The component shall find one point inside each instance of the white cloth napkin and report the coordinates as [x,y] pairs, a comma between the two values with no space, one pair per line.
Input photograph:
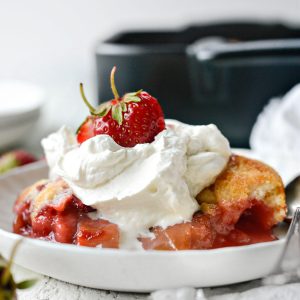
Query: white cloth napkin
[275,137]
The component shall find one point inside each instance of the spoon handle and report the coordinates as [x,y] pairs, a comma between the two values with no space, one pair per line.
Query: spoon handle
[287,267]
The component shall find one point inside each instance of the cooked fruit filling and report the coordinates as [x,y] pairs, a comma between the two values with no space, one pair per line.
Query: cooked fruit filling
[219,225]
[246,222]
[65,223]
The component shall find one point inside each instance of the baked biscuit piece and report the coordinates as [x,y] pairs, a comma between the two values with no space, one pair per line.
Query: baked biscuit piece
[246,179]
[44,192]
[29,193]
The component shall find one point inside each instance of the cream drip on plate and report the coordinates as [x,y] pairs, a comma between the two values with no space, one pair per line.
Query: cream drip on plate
[148,185]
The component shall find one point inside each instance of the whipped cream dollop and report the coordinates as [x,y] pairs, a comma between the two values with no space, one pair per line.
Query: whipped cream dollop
[148,185]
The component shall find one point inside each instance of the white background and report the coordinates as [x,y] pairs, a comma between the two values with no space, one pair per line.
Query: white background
[51,42]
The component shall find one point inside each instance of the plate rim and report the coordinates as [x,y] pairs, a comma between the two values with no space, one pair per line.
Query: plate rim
[111,251]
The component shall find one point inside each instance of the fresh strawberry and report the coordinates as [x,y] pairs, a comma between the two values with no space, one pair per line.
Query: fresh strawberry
[86,130]
[15,159]
[23,157]
[135,118]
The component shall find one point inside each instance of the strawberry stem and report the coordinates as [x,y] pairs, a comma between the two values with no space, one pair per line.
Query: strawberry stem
[88,104]
[112,83]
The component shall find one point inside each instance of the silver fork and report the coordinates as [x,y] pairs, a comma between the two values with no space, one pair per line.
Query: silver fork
[287,269]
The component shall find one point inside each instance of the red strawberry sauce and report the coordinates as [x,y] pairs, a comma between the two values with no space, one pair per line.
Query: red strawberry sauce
[237,224]
[223,225]
[67,222]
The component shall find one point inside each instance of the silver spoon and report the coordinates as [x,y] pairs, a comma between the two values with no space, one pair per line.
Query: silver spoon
[292,191]
[287,268]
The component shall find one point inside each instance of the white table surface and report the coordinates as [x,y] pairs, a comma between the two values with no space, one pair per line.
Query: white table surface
[47,289]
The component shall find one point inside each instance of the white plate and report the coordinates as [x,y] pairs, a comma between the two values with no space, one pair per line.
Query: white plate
[20,107]
[122,270]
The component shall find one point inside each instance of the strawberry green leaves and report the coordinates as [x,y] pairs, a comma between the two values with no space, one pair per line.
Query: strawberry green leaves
[132,97]
[121,106]
[124,106]
[103,109]
[116,113]
[117,106]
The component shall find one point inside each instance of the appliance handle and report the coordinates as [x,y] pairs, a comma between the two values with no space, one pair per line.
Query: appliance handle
[213,48]
[205,53]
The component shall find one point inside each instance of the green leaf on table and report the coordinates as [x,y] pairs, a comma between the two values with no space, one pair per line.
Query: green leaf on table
[26,284]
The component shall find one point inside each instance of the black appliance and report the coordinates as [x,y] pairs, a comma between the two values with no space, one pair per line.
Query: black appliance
[221,73]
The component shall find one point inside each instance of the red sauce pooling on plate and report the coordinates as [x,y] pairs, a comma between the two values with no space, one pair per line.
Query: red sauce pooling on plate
[252,227]
[226,224]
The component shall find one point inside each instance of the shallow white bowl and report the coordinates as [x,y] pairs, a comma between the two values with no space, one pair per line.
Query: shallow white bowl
[121,270]
[20,107]
[15,133]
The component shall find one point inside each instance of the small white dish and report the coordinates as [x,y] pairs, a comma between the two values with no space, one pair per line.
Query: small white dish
[20,106]
[122,270]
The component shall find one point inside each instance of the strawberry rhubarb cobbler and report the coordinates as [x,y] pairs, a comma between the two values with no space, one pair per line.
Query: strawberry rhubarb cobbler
[129,179]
